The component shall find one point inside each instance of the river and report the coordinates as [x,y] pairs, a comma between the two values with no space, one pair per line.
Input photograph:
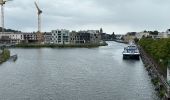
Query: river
[75,74]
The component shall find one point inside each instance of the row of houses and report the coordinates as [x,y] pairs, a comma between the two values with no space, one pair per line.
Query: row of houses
[139,35]
[58,36]
[65,37]
[17,37]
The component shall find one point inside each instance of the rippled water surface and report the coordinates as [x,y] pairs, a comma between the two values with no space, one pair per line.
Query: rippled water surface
[74,74]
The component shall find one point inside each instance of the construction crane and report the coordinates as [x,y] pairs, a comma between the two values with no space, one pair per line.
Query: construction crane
[39,17]
[2,3]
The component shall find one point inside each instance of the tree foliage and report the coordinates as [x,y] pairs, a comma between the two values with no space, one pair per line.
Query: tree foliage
[158,49]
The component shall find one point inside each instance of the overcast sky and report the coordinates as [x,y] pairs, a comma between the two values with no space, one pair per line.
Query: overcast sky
[119,16]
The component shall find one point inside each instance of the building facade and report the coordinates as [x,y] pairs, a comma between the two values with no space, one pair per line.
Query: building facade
[30,37]
[95,36]
[11,37]
[85,37]
[59,36]
[47,37]
[80,37]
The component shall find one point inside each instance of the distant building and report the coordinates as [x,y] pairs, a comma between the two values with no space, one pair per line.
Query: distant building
[95,36]
[106,37]
[84,37]
[80,37]
[60,36]
[118,36]
[130,36]
[11,37]
[162,35]
[30,37]
[101,30]
[47,37]
[140,35]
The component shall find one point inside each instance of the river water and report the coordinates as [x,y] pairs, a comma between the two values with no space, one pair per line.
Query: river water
[75,74]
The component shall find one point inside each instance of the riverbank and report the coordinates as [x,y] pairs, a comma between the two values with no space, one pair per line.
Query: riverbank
[59,45]
[4,56]
[159,51]
[157,78]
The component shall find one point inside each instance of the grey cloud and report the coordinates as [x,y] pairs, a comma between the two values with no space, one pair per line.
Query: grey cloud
[113,15]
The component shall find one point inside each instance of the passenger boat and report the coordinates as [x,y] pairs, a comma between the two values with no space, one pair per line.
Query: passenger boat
[131,52]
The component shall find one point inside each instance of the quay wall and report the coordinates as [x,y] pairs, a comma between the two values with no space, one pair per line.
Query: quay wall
[157,79]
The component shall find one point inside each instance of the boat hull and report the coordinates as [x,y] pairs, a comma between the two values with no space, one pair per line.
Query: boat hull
[130,56]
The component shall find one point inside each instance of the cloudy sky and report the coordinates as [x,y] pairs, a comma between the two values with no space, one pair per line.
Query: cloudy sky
[119,16]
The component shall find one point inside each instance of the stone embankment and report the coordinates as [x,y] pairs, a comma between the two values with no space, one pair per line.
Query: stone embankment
[60,45]
[157,79]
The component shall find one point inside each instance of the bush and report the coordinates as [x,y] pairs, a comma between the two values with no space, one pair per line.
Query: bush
[5,55]
[159,50]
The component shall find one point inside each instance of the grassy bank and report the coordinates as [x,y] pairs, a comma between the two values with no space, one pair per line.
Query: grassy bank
[5,55]
[159,50]
[59,46]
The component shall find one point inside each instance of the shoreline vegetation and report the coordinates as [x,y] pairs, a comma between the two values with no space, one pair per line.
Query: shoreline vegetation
[159,51]
[155,54]
[60,45]
[4,56]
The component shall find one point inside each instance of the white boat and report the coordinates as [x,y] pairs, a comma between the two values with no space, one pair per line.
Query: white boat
[131,52]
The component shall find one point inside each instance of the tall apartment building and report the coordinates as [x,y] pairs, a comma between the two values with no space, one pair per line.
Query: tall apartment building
[60,36]
[79,37]
[95,36]
[84,37]
[30,37]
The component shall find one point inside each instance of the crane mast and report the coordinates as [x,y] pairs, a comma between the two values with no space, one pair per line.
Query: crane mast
[39,34]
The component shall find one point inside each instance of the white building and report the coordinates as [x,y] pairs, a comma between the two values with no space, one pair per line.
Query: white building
[60,36]
[162,35]
[11,37]
[139,35]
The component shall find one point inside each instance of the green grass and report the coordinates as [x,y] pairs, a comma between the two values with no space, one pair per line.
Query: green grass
[159,50]
[5,55]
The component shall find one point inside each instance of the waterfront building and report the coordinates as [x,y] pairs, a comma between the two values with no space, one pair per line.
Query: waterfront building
[85,37]
[60,36]
[107,37]
[80,37]
[47,37]
[11,37]
[30,37]
[95,36]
